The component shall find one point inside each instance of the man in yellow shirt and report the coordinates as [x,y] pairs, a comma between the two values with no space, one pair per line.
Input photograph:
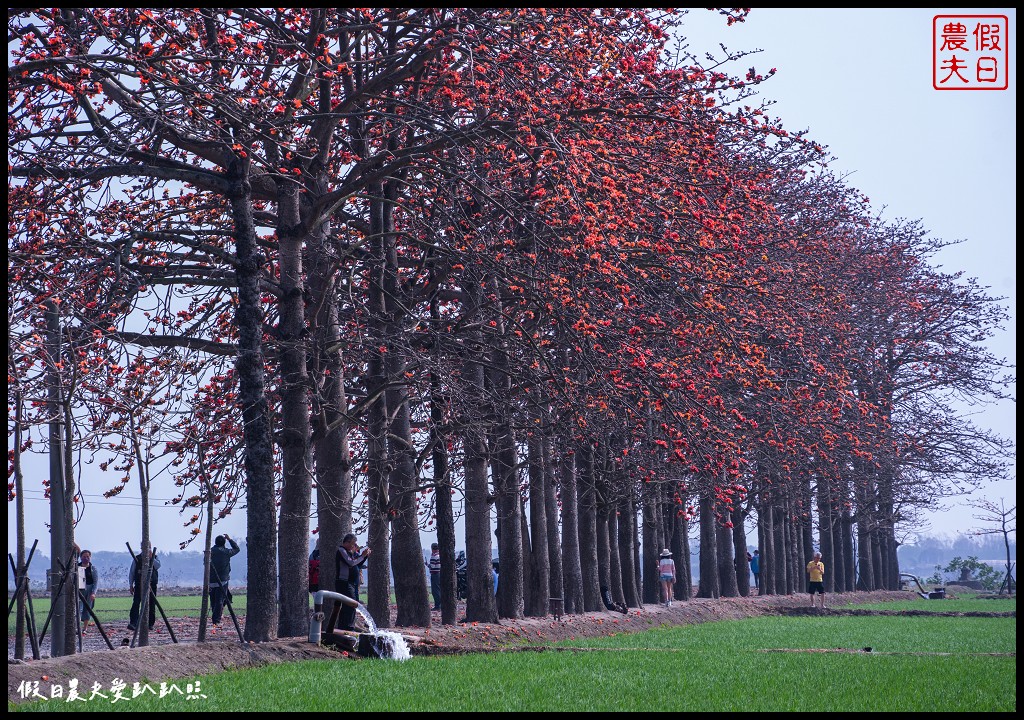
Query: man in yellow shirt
[815,579]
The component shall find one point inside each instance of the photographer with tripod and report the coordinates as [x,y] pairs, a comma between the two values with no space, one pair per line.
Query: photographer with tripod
[220,574]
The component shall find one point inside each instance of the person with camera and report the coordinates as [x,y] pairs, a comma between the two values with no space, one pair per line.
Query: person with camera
[816,579]
[434,567]
[220,574]
[349,559]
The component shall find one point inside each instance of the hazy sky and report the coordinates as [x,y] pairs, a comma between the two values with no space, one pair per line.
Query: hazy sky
[861,82]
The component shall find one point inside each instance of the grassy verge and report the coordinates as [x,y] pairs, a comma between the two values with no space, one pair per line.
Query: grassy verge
[967,604]
[769,664]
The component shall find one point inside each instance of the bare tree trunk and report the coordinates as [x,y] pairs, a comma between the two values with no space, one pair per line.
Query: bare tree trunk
[261,512]
[865,557]
[296,456]
[554,544]
[651,585]
[614,558]
[540,565]
[204,605]
[71,599]
[480,605]
[330,444]
[443,498]
[587,504]
[59,548]
[378,571]
[683,588]
[709,581]
[510,541]
[726,560]
[19,505]
[825,529]
[627,535]
[781,564]
[604,562]
[739,540]
[572,580]
[766,532]
[144,556]
[530,593]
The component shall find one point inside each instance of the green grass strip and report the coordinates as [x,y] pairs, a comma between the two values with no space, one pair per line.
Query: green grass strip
[711,667]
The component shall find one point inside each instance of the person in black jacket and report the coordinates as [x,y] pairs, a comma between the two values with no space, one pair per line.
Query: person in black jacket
[135,587]
[349,559]
[87,592]
[220,573]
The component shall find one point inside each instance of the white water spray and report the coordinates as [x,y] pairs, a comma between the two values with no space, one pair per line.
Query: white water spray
[388,644]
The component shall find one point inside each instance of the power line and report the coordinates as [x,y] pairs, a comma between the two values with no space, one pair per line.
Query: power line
[107,501]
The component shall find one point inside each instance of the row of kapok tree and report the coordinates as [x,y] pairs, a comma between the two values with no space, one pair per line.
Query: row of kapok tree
[512,265]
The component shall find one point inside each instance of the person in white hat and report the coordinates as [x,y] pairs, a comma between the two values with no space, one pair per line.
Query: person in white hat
[667,573]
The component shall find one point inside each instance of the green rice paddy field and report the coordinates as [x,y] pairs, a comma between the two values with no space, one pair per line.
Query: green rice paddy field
[807,663]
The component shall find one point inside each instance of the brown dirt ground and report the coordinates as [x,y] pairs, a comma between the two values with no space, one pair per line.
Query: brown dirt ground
[164,660]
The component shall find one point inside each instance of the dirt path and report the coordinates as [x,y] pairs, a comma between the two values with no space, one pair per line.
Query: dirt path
[164,660]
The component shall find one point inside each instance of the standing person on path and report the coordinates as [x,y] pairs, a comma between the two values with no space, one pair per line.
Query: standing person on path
[667,574]
[135,587]
[314,567]
[815,579]
[220,573]
[87,591]
[349,560]
[755,567]
[434,566]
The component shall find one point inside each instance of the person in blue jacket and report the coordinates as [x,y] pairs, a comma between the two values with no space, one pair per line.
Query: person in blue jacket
[755,567]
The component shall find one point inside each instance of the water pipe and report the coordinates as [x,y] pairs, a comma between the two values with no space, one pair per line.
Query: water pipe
[317,620]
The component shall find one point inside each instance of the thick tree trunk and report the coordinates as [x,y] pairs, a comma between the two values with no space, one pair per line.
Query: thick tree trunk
[806,515]
[865,556]
[627,541]
[709,582]
[443,500]
[766,536]
[411,594]
[529,589]
[296,460]
[378,571]
[71,606]
[480,605]
[726,559]
[614,558]
[572,580]
[781,564]
[330,445]
[261,507]
[510,541]
[505,468]
[826,522]
[19,505]
[652,546]
[604,562]
[539,563]
[551,520]
[60,620]
[739,541]
[683,589]
[587,504]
